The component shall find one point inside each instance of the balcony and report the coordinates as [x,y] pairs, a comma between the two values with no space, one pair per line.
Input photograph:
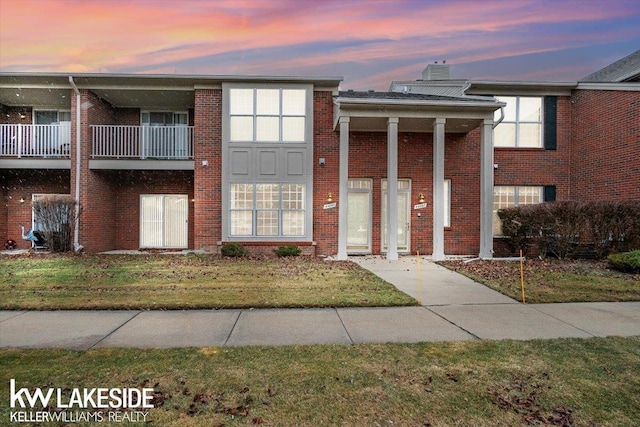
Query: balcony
[141,147]
[35,141]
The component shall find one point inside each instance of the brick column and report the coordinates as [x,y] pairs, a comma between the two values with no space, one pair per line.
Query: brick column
[97,207]
[207,169]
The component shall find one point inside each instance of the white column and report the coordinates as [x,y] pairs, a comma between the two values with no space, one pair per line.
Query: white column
[342,188]
[486,189]
[438,189]
[392,188]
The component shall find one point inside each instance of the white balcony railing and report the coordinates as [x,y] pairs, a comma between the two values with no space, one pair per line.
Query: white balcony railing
[142,142]
[27,140]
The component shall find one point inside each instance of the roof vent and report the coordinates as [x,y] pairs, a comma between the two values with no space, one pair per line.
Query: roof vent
[436,72]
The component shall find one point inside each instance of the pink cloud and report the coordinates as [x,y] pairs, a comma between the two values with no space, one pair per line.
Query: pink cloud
[66,35]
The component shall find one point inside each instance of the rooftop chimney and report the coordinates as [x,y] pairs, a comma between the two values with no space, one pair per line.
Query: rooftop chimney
[436,72]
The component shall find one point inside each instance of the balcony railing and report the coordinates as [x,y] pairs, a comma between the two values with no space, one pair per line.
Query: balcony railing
[27,140]
[142,142]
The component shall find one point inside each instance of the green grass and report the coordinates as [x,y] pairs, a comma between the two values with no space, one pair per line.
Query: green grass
[483,383]
[44,282]
[551,281]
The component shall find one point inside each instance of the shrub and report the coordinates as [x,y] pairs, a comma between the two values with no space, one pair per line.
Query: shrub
[629,262]
[234,250]
[56,217]
[566,229]
[289,250]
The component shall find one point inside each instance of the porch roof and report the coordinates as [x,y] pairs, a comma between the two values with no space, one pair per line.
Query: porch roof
[168,91]
[369,111]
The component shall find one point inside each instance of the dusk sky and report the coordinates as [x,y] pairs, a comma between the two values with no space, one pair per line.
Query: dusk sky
[368,43]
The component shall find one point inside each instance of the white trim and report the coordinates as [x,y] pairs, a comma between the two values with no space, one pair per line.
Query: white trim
[629,87]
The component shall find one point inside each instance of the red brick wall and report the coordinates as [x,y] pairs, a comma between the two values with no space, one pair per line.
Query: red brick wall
[24,183]
[6,204]
[129,185]
[368,159]
[127,117]
[462,167]
[207,179]
[326,144]
[96,191]
[537,166]
[11,115]
[605,158]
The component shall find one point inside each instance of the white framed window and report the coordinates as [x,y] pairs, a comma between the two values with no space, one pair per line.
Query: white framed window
[267,210]
[511,196]
[522,123]
[267,115]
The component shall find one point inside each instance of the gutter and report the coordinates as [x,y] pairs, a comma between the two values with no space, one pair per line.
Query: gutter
[76,242]
[500,119]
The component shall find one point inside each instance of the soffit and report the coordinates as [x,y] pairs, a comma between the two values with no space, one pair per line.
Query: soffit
[416,112]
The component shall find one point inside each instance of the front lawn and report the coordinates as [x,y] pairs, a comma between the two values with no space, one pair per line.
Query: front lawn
[553,280]
[46,282]
[566,382]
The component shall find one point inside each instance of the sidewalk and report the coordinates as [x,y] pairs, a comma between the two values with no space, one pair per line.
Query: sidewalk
[453,308]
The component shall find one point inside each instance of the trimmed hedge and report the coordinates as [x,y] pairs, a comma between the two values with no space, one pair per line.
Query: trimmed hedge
[628,262]
[569,229]
[288,250]
[234,250]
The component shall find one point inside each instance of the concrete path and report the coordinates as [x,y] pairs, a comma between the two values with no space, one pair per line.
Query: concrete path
[454,308]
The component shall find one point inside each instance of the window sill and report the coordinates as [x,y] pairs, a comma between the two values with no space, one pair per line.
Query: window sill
[521,149]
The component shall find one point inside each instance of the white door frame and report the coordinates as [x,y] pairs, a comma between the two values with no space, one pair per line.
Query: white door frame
[163,239]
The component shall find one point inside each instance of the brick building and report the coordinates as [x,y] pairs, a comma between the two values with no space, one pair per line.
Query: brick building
[192,162]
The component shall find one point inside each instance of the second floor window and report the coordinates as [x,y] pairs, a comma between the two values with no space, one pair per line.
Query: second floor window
[522,124]
[267,115]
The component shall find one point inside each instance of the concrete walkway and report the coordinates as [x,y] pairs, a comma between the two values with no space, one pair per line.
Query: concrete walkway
[453,308]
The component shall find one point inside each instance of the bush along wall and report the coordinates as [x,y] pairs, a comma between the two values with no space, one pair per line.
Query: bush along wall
[55,218]
[573,229]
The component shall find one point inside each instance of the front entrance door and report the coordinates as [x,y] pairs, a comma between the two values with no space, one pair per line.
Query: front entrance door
[404,215]
[359,216]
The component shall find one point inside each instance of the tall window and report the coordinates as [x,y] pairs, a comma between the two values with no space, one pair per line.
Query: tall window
[267,210]
[522,124]
[507,197]
[267,115]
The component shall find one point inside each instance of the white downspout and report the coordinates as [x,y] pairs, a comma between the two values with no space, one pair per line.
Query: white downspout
[76,241]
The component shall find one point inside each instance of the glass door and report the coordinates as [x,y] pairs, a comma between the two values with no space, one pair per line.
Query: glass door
[404,215]
[359,216]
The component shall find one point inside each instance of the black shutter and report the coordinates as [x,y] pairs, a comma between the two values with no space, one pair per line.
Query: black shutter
[549,193]
[550,122]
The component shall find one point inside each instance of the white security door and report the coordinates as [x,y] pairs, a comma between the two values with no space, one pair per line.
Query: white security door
[404,215]
[164,221]
[359,216]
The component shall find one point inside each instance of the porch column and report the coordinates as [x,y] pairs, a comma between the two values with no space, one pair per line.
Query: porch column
[486,190]
[438,189]
[343,188]
[392,188]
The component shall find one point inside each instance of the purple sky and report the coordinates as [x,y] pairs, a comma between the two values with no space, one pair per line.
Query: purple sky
[369,43]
